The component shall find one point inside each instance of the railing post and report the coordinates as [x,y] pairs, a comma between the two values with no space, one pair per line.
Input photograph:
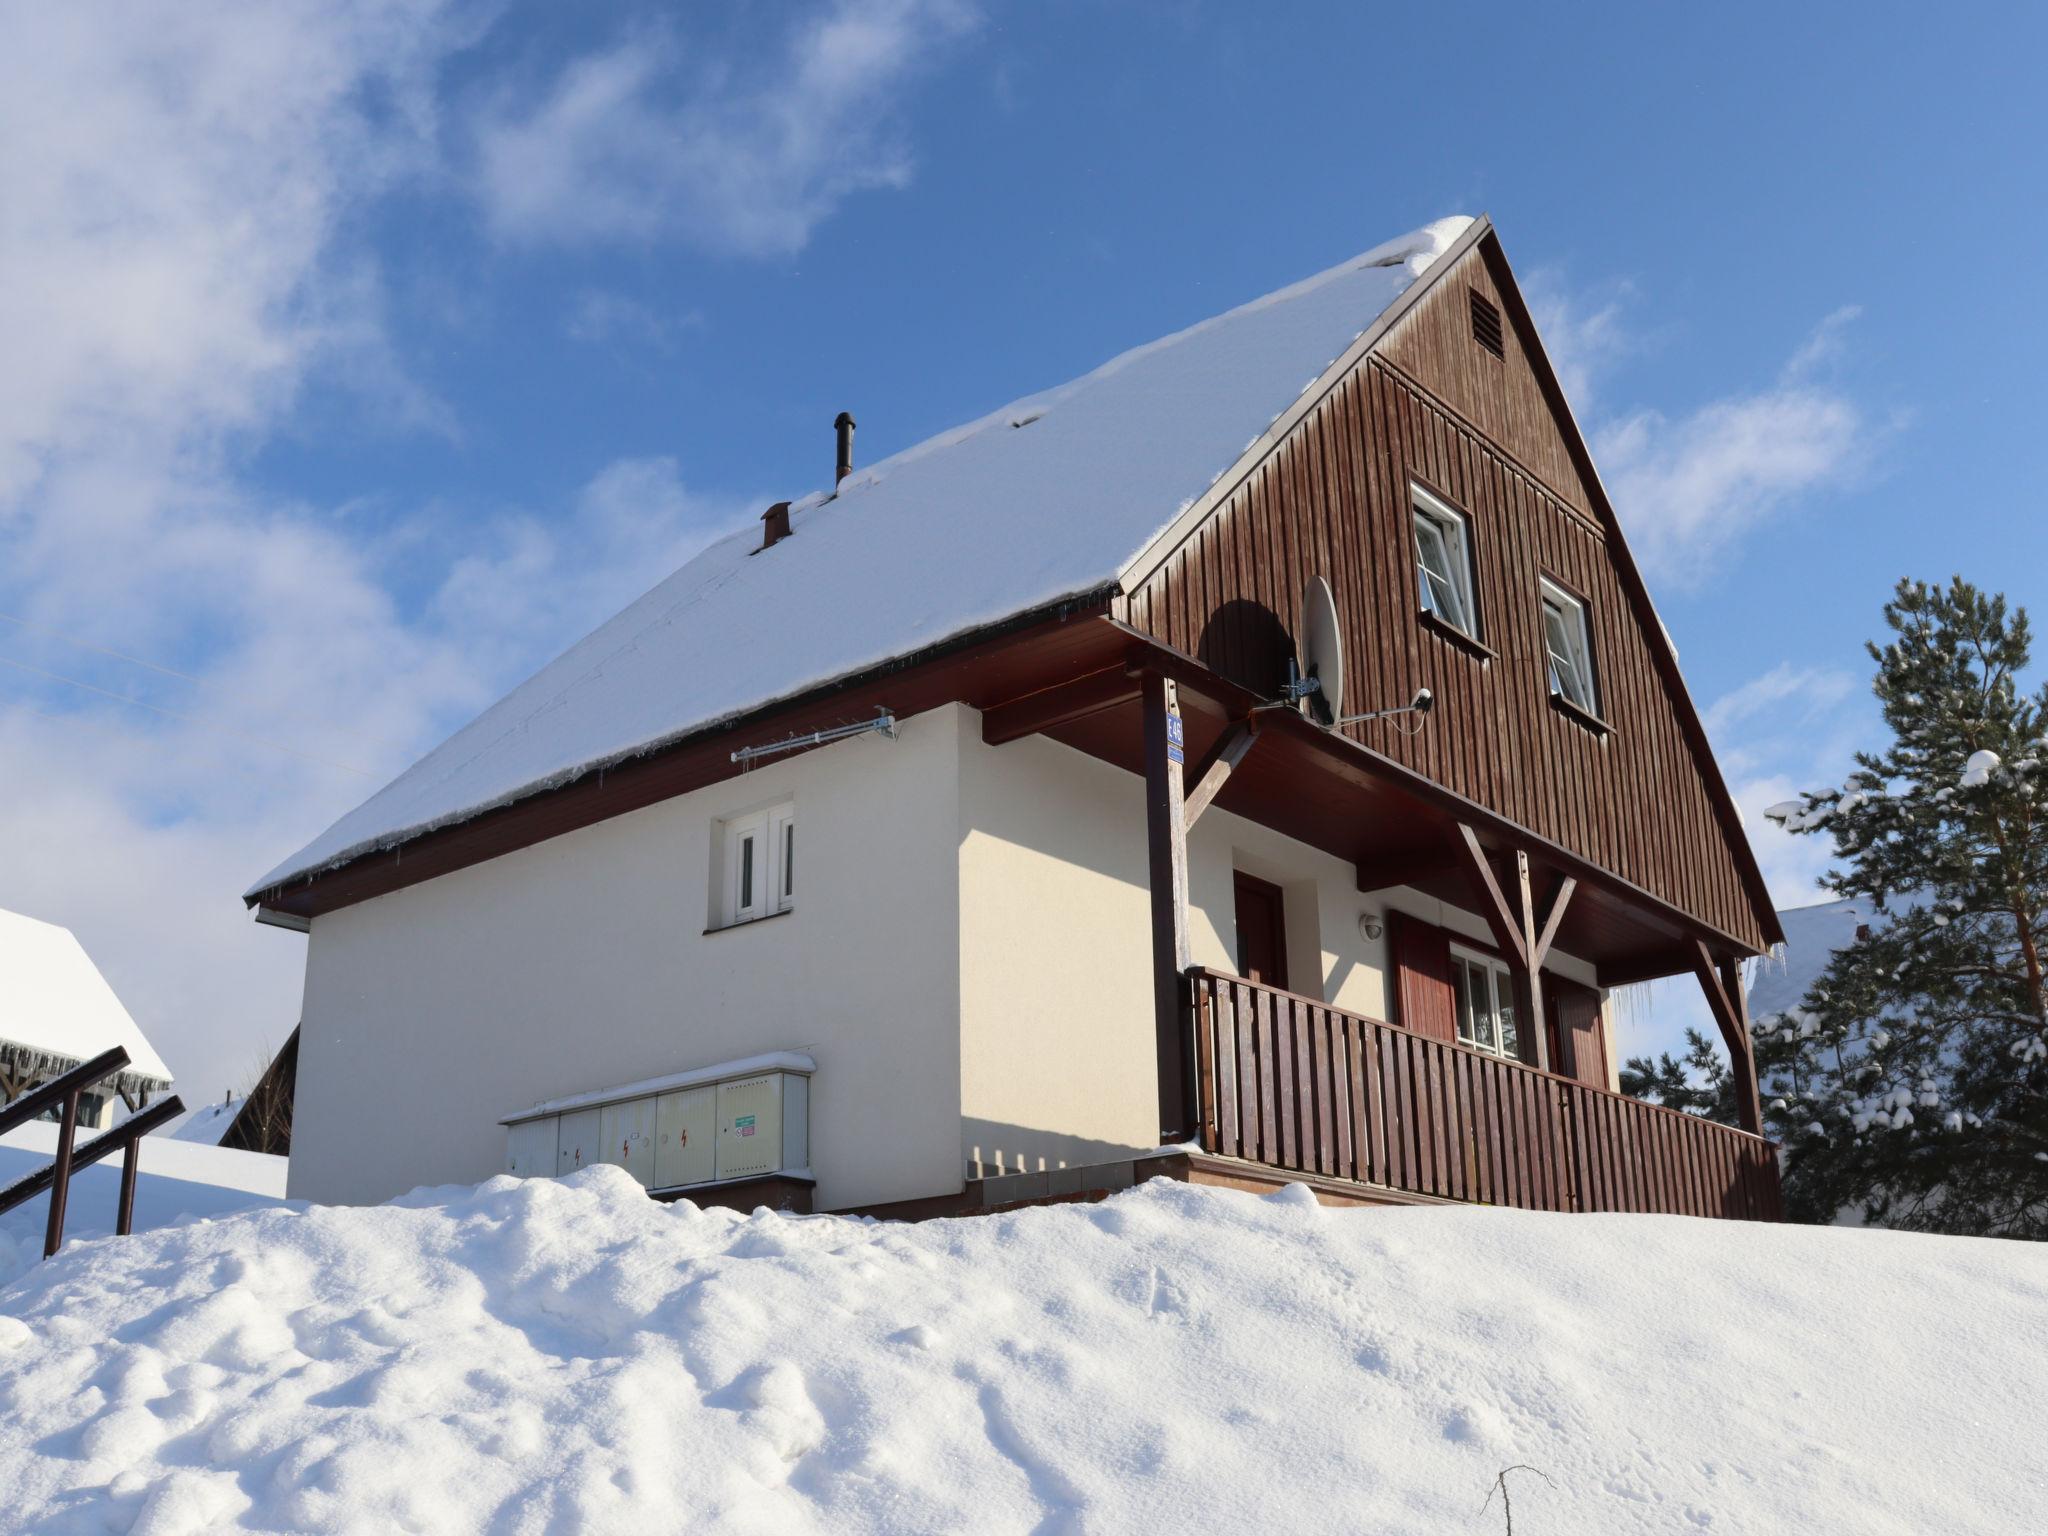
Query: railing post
[60,1187]
[131,1162]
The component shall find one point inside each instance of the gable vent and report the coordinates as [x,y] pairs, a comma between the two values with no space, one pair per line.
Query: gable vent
[1486,323]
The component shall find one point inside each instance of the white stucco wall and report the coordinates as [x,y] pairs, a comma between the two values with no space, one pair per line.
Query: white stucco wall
[968,961]
[581,963]
[1057,1061]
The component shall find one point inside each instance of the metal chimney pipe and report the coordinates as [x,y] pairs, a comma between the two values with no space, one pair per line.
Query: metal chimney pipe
[844,427]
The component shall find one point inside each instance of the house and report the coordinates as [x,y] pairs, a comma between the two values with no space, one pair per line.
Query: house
[57,1012]
[997,825]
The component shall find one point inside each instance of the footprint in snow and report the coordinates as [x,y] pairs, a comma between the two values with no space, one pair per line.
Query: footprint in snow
[1159,1294]
[916,1336]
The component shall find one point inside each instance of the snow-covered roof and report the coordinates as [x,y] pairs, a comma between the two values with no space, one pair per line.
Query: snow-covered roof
[205,1125]
[56,1009]
[1048,498]
[1781,980]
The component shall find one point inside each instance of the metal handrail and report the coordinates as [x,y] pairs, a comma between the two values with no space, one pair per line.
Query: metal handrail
[58,1089]
[122,1138]
[55,1176]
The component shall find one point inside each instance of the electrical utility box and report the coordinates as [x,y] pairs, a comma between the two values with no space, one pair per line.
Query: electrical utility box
[686,1138]
[627,1130]
[577,1146]
[713,1125]
[530,1148]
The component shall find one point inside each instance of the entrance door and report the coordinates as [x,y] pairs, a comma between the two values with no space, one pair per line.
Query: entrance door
[1261,932]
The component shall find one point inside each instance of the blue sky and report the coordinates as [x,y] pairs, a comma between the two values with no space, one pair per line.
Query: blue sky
[365,361]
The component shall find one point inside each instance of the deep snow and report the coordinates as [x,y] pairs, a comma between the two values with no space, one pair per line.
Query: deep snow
[569,1356]
[1047,498]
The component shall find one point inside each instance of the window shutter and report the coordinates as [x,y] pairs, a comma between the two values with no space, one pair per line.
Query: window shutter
[1577,1010]
[1422,974]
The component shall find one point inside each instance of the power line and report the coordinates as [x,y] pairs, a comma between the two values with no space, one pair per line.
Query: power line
[102,650]
[198,720]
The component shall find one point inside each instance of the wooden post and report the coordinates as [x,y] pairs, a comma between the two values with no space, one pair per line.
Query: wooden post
[1524,937]
[1529,974]
[1721,980]
[60,1185]
[1166,842]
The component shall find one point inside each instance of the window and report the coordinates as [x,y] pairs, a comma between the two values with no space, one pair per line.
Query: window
[1443,564]
[1486,1003]
[760,864]
[1570,650]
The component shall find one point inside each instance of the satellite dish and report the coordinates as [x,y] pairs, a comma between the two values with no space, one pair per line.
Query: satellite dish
[1322,650]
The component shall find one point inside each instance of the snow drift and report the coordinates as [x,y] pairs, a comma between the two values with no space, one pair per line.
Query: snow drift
[568,1356]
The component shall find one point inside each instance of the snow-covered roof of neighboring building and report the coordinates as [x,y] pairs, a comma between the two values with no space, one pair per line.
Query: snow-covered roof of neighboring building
[205,1125]
[1048,498]
[56,1009]
[1812,935]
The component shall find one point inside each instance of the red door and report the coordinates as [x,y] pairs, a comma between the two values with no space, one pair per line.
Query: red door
[1261,932]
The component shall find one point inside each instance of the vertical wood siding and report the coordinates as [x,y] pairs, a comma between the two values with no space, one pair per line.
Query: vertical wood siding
[1333,500]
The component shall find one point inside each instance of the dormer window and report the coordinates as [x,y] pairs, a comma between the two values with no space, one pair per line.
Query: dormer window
[1568,644]
[1443,563]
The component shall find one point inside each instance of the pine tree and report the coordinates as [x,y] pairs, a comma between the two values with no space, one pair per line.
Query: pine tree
[1912,1084]
[1700,1085]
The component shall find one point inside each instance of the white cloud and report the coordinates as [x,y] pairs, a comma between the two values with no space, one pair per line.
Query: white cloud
[1786,731]
[600,317]
[181,252]
[1583,338]
[1814,690]
[1688,489]
[639,141]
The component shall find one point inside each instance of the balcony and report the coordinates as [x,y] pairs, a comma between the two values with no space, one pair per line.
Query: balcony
[1285,1082]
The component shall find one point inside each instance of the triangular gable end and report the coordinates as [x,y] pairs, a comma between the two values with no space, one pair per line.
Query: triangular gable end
[1417,397]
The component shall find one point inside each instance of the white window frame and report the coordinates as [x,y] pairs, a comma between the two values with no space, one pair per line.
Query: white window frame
[760,868]
[1485,1034]
[1447,595]
[1570,669]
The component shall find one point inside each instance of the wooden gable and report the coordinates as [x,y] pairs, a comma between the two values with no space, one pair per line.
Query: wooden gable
[1428,404]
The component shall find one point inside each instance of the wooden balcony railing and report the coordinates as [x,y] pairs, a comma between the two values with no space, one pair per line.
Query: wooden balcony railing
[1289,1082]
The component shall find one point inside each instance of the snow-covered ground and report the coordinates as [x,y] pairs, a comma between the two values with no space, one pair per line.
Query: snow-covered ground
[568,1356]
[179,1181]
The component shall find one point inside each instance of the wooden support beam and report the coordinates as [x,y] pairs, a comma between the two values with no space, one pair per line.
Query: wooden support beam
[1214,771]
[1502,918]
[1523,939]
[1060,705]
[1166,846]
[1560,899]
[1721,979]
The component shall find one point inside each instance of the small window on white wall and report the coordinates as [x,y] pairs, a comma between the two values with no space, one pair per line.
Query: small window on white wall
[760,863]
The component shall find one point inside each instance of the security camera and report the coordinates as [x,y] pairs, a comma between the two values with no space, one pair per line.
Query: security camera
[1423,702]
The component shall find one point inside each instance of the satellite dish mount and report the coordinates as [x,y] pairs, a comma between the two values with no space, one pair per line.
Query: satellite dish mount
[1317,679]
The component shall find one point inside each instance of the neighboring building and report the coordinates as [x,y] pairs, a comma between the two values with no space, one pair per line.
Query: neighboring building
[1812,936]
[259,1121]
[954,837]
[57,1012]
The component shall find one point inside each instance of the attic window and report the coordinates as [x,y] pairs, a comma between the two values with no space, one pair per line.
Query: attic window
[1486,323]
